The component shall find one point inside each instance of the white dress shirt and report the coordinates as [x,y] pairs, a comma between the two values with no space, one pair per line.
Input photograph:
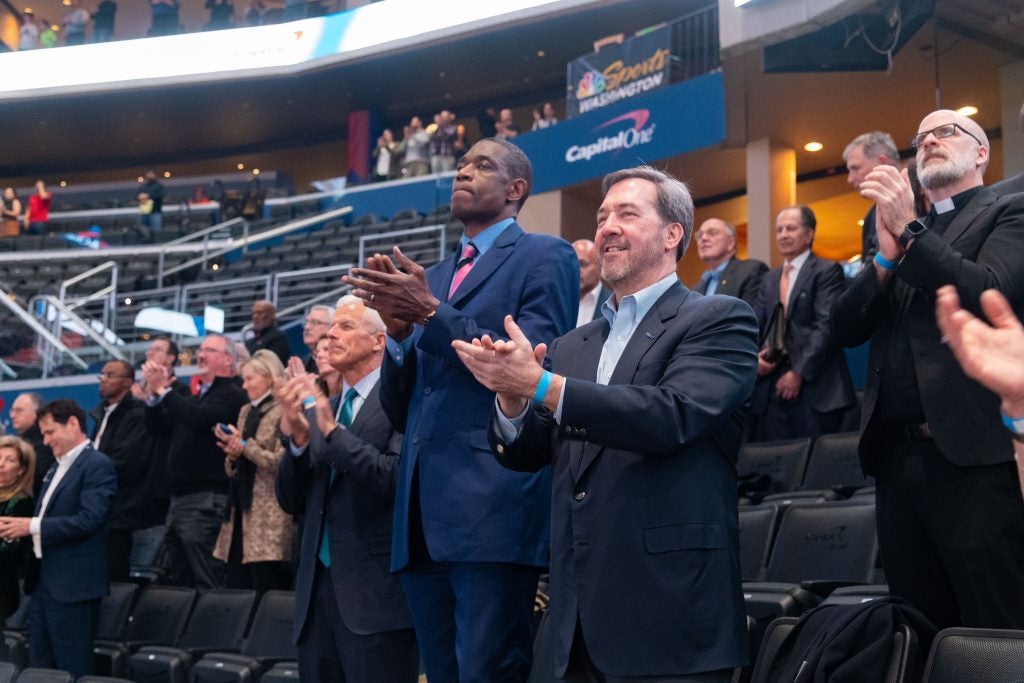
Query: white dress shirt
[64,463]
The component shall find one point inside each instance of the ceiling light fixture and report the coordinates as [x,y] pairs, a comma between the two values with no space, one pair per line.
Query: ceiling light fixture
[968,110]
[814,146]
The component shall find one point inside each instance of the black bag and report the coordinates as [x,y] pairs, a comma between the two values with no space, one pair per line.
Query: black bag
[774,340]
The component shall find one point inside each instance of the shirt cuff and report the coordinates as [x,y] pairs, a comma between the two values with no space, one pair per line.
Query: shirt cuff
[398,350]
[294,450]
[561,397]
[155,400]
[509,427]
[34,525]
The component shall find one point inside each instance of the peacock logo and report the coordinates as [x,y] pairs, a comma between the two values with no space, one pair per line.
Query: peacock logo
[591,84]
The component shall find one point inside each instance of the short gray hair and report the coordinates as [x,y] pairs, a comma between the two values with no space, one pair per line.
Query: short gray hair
[875,144]
[674,202]
[321,307]
[374,323]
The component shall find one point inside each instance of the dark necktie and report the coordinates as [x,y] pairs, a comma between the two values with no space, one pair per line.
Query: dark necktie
[345,420]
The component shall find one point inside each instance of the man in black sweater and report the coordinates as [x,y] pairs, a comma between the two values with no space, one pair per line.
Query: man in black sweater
[195,465]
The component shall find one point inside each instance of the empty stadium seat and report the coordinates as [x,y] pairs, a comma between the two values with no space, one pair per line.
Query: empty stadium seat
[773,466]
[158,619]
[977,655]
[147,547]
[834,464]
[269,642]
[114,611]
[217,623]
[818,546]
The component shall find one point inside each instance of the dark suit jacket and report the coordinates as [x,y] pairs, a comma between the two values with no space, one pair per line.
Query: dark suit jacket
[644,540]
[124,442]
[473,510]
[741,279]
[194,462]
[981,249]
[272,339]
[868,238]
[1009,185]
[813,351]
[73,532]
[358,513]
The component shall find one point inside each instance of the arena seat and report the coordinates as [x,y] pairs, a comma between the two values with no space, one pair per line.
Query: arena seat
[975,655]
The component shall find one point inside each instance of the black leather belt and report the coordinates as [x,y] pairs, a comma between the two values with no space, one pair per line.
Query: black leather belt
[909,433]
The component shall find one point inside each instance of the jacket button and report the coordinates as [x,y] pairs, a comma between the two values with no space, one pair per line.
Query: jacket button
[581,495]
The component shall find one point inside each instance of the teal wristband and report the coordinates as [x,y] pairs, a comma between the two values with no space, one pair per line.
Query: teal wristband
[542,387]
[1014,424]
[884,262]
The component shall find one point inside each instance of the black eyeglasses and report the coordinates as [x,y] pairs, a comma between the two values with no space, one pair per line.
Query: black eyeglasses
[947,130]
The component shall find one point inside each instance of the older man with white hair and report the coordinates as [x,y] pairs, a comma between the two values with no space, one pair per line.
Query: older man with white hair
[950,514]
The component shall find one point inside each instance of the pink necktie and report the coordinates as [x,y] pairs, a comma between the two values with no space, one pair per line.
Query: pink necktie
[784,285]
[463,267]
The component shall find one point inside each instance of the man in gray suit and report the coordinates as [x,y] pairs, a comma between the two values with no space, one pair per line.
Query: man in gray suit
[726,274]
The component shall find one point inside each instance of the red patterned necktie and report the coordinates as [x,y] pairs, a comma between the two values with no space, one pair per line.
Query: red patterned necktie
[463,267]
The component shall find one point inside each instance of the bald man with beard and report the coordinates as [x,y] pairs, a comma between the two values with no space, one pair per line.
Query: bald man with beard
[949,510]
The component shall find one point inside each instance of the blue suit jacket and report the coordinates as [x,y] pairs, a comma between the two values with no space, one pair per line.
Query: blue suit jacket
[474,510]
[74,530]
[644,539]
[358,512]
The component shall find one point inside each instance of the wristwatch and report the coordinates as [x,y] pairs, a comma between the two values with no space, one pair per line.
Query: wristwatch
[912,230]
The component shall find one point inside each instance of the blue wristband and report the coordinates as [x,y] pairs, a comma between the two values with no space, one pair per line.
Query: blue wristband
[884,262]
[542,387]
[1014,424]
[308,402]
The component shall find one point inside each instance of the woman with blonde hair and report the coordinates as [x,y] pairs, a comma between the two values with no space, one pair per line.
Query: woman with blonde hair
[17,472]
[255,541]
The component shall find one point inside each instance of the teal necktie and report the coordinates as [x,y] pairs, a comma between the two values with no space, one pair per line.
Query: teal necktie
[345,420]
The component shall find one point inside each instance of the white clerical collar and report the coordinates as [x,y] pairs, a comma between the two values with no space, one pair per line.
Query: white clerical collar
[944,205]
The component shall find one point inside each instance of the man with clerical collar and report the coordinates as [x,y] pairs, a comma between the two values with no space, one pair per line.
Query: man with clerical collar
[726,274]
[950,513]
[593,293]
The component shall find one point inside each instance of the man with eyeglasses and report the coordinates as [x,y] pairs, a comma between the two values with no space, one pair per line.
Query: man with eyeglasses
[318,321]
[119,432]
[862,155]
[949,511]
[195,465]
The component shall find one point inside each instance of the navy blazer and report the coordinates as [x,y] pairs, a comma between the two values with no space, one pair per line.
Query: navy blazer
[473,510]
[73,532]
[740,278]
[814,353]
[358,512]
[981,249]
[645,540]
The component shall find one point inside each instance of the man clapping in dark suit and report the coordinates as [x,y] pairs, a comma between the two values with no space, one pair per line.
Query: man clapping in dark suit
[950,515]
[640,417]
[351,621]
[726,274]
[805,392]
[69,538]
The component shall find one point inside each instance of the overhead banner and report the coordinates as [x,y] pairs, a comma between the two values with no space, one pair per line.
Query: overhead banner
[634,67]
[678,119]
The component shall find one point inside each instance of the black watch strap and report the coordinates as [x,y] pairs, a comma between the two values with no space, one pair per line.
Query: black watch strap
[912,230]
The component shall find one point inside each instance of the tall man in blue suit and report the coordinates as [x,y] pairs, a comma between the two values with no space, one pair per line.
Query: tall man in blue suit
[470,537]
[351,622]
[640,416]
[68,575]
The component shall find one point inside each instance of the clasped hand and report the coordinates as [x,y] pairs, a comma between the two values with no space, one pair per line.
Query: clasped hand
[401,298]
[511,369]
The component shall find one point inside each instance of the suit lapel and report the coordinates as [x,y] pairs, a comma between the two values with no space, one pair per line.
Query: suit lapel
[584,366]
[727,274]
[486,264]
[647,333]
[63,483]
[804,276]
[367,411]
[966,216]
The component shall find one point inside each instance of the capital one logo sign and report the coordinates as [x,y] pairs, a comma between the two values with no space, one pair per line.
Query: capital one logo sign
[635,135]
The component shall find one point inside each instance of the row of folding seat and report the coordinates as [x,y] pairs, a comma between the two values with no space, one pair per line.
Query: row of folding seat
[166,634]
[830,469]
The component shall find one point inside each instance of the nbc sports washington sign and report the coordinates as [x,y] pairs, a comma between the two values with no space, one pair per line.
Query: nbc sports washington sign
[617,72]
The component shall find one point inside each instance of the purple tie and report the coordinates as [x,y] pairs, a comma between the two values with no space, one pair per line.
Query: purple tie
[463,267]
